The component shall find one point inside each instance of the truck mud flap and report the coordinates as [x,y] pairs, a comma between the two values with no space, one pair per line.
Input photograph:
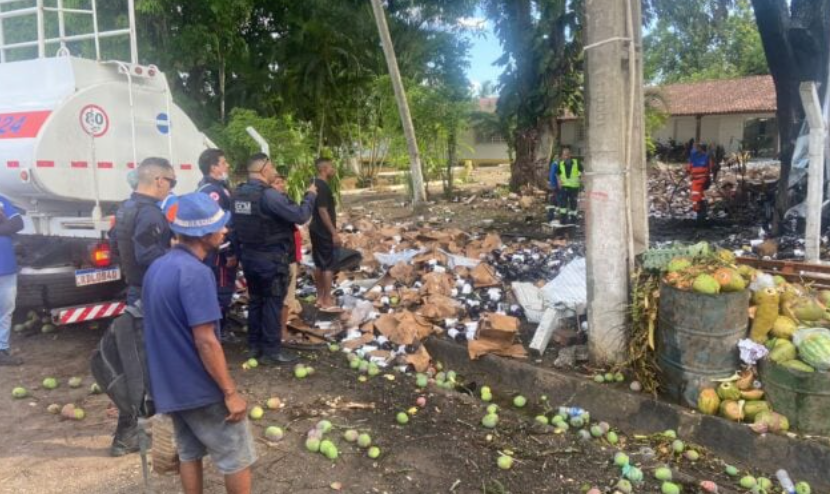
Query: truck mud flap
[86,313]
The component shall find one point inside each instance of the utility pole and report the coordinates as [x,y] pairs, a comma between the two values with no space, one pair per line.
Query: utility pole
[815,183]
[636,144]
[607,217]
[418,191]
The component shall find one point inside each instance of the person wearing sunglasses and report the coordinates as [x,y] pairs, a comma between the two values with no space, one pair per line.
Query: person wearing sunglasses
[141,235]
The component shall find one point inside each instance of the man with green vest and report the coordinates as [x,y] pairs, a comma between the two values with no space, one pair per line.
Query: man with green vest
[566,181]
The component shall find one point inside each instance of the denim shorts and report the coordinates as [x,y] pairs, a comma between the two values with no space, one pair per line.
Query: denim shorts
[204,431]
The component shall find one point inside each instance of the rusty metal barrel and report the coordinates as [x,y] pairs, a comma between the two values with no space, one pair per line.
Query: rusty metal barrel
[803,397]
[697,340]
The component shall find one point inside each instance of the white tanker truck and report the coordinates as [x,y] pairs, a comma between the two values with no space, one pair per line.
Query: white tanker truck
[71,129]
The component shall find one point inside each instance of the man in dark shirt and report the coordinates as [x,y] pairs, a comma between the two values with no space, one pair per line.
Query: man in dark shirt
[264,221]
[323,232]
[214,183]
[189,377]
[142,235]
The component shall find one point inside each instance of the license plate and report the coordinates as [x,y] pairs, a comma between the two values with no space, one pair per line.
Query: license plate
[86,277]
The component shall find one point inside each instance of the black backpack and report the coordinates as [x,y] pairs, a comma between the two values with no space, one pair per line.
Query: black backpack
[119,365]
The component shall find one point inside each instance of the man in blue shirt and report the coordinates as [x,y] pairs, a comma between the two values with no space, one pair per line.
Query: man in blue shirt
[189,378]
[10,223]
[263,223]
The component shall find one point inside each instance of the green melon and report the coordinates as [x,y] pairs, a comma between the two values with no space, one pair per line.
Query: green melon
[707,284]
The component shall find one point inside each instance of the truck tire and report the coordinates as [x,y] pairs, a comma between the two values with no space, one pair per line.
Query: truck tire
[54,287]
[165,456]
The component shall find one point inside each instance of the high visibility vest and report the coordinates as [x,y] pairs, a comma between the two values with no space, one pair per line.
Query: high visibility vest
[574,180]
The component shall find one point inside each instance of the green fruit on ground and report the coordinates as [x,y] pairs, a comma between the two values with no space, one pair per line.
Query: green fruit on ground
[252,363]
[354,363]
[374,370]
[440,377]
[451,375]
[95,389]
[519,401]
[577,422]
[748,482]
[19,392]
[612,437]
[692,455]
[312,444]
[50,383]
[728,391]
[490,420]
[332,454]
[803,488]
[624,486]
[753,408]
[486,390]
[324,426]
[274,433]
[542,420]
[486,397]
[708,401]
[492,408]
[669,488]
[599,379]
[505,462]
[621,459]
[421,380]
[334,347]
[273,403]
[326,445]
[309,370]
[783,351]
[663,473]
[364,440]
[75,382]
[596,431]
[764,483]
[47,328]
[609,377]
[79,414]
[364,366]
[678,264]
[351,435]
[256,413]
[619,377]
[402,418]
[634,474]
[784,327]
[374,452]
[731,471]
[706,284]
[300,372]
[678,446]
[19,328]
[670,433]
[54,409]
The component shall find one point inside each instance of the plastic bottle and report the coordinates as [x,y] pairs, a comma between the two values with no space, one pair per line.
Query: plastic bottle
[571,411]
[785,481]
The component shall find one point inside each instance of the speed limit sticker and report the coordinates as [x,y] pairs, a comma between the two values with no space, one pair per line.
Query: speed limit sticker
[94,120]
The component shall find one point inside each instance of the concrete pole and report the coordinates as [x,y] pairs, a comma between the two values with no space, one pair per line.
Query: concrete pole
[638,166]
[418,190]
[606,227]
[815,183]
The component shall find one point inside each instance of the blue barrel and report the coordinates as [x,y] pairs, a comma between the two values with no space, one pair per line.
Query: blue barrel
[697,340]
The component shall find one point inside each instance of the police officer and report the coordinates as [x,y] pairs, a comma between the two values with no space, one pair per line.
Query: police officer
[142,235]
[224,262]
[263,221]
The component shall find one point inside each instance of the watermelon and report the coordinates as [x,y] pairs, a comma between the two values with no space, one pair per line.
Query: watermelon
[814,350]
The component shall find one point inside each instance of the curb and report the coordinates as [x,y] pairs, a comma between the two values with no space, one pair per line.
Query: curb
[639,413]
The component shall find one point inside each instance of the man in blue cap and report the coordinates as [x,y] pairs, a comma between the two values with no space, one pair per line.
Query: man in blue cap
[189,376]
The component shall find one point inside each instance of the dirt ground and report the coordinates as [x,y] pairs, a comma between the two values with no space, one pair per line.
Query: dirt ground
[443,448]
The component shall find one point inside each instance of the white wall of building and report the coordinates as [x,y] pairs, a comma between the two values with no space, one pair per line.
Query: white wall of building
[726,130]
[494,152]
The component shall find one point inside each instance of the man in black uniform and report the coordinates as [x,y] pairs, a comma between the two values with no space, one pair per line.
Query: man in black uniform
[263,221]
[142,235]
[214,183]
[323,232]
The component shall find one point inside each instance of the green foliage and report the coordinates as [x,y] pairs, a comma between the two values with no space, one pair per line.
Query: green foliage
[702,39]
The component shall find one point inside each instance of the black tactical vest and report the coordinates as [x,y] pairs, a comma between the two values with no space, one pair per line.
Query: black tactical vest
[252,226]
[124,231]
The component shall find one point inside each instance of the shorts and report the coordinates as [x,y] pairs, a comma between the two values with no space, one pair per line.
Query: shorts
[291,291]
[323,252]
[202,431]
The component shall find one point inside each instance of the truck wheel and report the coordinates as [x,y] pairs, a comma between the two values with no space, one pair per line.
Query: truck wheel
[54,287]
[165,456]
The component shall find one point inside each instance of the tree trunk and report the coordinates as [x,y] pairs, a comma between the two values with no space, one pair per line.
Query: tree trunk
[523,170]
[452,158]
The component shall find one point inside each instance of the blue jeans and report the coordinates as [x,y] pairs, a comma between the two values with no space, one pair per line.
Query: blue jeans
[204,431]
[8,294]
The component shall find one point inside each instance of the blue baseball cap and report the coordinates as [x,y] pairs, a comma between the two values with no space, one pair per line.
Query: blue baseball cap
[198,215]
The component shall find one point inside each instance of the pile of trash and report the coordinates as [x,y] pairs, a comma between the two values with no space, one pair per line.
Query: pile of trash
[417,281]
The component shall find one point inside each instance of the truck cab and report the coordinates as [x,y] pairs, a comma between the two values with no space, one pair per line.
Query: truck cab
[71,130]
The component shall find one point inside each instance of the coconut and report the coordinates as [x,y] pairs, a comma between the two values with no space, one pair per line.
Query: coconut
[753,408]
[678,264]
[708,401]
[784,327]
[732,410]
[728,391]
[729,280]
[707,284]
